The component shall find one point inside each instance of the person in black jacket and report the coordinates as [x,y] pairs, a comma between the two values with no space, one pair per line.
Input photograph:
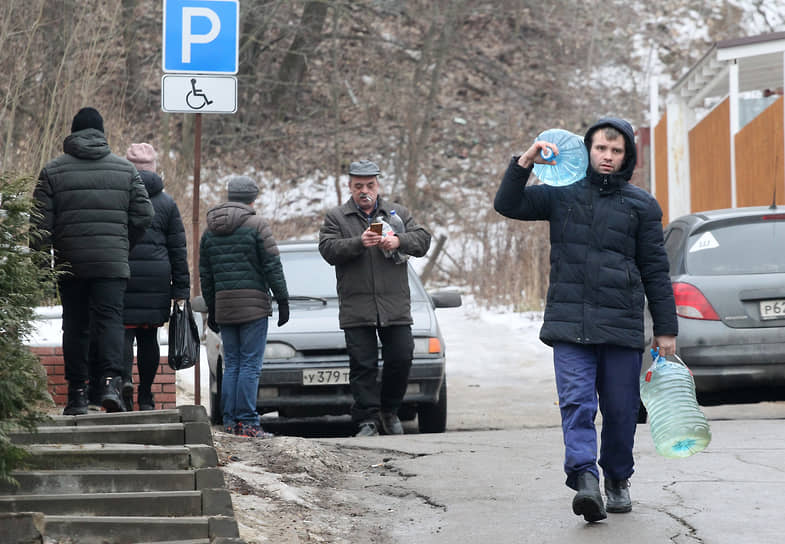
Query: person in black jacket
[159,273]
[93,207]
[606,253]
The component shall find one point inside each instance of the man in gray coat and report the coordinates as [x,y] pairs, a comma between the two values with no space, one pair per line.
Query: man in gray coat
[373,295]
[92,208]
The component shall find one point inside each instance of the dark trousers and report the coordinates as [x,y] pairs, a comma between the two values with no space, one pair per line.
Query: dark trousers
[584,375]
[148,354]
[92,313]
[397,350]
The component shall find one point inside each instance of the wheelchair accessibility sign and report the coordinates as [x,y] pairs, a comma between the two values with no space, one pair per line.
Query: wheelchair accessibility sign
[201,36]
[195,93]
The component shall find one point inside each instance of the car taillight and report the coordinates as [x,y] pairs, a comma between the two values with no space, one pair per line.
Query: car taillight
[691,303]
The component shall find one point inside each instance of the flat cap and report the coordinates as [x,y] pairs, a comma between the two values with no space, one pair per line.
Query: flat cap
[364,168]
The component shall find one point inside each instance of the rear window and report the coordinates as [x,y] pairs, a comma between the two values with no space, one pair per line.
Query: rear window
[742,248]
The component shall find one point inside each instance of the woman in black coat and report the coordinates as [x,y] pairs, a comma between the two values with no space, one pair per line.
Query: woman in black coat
[159,273]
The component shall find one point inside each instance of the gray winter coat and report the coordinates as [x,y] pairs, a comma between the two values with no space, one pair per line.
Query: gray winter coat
[372,289]
[93,207]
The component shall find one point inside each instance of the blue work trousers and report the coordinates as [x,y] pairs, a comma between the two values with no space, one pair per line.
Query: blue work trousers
[584,374]
[243,346]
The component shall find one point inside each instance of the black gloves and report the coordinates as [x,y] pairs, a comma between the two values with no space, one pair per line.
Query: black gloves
[283,312]
[211,319]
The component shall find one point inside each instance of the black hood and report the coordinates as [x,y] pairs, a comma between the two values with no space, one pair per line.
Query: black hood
[152,182]
[630,153]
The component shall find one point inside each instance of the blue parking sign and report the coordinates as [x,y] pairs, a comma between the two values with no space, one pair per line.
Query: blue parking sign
[201,36]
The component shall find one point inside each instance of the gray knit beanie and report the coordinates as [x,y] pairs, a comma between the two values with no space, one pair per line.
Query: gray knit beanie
[242,189]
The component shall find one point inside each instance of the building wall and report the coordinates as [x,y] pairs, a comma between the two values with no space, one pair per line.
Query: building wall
[759,159]
[710,168]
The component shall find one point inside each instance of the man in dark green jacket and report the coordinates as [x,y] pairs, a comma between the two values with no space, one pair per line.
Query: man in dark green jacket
[239,265]
[373,295]
[93,207]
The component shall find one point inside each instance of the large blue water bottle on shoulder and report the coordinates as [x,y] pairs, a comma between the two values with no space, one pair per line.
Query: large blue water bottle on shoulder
[678,426]
[571,161]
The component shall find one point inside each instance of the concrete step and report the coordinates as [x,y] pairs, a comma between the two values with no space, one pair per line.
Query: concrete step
[120,418]
[216,502]
[50,482]
[120,457]
[128,530]
[162,434]
[121,478]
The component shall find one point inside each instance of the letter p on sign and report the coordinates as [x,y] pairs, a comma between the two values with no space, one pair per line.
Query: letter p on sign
[189,37]
[201,36]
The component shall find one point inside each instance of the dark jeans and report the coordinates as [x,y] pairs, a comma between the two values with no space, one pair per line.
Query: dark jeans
[397,350]
[148,354]
[588,376]
[92,313]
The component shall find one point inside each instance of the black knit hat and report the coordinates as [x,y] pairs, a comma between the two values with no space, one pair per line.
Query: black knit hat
[87,118]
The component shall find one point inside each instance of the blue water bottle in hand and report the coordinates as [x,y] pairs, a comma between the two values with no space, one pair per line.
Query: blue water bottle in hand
[572,159]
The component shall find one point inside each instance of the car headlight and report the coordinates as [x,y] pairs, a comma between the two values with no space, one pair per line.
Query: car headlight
[279,350]
[427,345]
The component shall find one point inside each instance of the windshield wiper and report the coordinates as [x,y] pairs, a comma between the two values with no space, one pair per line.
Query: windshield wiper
[317,299]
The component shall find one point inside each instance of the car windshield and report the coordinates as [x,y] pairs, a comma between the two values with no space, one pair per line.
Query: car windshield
[746,248]
[309,275]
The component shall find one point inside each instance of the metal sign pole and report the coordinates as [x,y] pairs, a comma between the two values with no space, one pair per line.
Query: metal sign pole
[195,239]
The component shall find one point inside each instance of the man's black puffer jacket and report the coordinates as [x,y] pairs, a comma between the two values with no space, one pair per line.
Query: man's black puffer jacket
[159,261]
[606,251]
[92,206]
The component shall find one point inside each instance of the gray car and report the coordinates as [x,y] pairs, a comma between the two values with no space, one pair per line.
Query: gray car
[305,372]
[728,273]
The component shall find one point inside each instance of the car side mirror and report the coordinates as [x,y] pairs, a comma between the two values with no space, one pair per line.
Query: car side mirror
[199,305]
[446,299]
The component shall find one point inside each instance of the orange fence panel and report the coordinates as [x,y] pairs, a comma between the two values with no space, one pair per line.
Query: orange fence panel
[759,159]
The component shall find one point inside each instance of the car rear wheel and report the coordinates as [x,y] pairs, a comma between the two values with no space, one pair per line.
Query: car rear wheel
[432,418]
[216,415]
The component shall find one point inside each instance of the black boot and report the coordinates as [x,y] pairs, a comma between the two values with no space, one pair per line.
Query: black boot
[128,395]
[588,500]
[111,399]
[618,494]
[146,400]
[77,401]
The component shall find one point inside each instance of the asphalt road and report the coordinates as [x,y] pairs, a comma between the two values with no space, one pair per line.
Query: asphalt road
[496,475]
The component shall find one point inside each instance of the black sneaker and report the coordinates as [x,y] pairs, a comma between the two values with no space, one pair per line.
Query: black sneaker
[391,424]
[368,428]
[111,399]
[128,395]
[618,493]
[77,402]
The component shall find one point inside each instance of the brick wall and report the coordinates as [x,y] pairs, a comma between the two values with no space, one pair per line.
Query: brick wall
[164,389]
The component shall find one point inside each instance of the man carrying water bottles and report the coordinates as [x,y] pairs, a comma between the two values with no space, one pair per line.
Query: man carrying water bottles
[606,253]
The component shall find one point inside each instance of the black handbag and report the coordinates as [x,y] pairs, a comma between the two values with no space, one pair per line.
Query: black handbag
[183,337]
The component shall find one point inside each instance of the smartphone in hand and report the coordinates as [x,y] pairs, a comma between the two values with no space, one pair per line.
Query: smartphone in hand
[376,227]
